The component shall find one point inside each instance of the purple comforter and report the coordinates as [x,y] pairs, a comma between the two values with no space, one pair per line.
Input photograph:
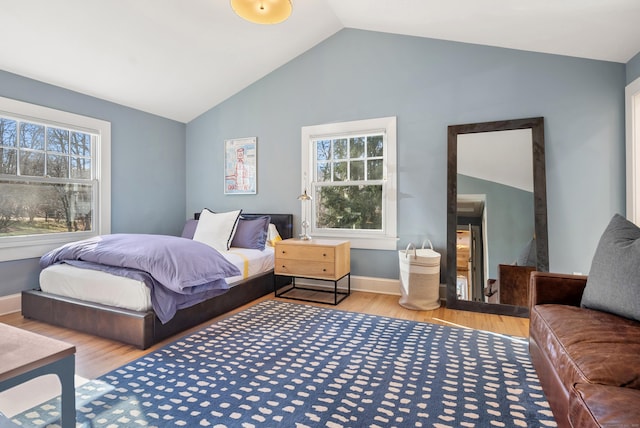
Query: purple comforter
[179,272]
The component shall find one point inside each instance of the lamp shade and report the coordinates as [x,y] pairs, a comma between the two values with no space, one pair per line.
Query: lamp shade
[305,196]
[263,11]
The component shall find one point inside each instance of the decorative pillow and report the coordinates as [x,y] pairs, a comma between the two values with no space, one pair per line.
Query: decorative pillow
[216,229]
[251,233]
[189,228]
[613,284]
[273,235]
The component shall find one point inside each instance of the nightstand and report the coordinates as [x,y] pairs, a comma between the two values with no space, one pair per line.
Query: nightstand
[318,259]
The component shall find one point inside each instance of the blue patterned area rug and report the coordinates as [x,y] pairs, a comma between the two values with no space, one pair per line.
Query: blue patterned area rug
[281,364]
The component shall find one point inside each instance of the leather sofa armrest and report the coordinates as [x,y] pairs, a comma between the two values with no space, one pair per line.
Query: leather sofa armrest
[555,288]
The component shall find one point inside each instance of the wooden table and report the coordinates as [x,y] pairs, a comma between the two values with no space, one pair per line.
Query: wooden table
[25,355]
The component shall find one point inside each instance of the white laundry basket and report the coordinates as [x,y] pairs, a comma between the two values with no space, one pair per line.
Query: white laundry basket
[419,277]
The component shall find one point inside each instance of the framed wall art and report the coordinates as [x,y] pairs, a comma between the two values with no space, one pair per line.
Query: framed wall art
[240,160]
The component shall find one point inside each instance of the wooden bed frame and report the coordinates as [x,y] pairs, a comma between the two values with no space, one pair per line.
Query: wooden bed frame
[144,329]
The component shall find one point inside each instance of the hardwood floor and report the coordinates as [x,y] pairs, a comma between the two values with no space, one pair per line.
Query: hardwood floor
[96,356]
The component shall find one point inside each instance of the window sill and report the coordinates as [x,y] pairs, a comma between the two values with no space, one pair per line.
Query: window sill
[12,249]
[365,243]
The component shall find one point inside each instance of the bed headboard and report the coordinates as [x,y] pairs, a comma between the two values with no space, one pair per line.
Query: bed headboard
[283,222]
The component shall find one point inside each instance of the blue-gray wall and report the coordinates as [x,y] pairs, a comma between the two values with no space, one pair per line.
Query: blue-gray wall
[428,84]
[633,68]
[147,167]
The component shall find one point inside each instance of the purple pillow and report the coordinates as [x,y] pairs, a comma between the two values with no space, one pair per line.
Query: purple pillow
[189,229]
[251,233]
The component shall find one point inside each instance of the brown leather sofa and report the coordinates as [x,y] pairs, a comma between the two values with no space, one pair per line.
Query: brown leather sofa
[588,361]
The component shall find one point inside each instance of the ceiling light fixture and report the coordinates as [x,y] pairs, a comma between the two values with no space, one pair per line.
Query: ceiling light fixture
[263,11]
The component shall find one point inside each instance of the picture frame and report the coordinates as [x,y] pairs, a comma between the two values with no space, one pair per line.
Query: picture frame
[240,161]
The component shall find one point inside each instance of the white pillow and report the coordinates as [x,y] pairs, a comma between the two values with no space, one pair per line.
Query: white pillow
[272,235]
[216,229]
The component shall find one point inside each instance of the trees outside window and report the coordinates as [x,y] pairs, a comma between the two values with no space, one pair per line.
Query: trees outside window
[46,177]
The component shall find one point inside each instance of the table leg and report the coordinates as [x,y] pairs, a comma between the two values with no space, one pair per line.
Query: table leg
[68,392]
[65,370]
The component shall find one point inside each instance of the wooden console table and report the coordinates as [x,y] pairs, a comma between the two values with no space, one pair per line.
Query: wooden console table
[25,355]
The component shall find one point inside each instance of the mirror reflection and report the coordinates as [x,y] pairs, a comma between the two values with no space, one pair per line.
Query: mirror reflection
[495,216]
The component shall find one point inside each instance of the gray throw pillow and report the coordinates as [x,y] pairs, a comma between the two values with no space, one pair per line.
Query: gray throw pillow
[189,229]
[251,233]
[613,284]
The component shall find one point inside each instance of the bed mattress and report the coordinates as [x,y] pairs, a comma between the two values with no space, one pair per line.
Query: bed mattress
[107,289]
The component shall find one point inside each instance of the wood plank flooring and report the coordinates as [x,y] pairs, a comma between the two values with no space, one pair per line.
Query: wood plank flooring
[96,356]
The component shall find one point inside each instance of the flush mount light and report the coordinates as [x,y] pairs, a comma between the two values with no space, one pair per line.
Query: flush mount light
[263,11]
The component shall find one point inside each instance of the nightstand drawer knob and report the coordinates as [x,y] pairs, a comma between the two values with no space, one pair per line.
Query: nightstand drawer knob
[324,254]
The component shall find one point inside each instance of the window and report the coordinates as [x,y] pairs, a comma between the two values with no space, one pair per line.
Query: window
[352,180]
[54,178]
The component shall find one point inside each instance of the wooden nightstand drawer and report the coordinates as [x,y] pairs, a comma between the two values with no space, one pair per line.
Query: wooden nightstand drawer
[305,268]
[300,252]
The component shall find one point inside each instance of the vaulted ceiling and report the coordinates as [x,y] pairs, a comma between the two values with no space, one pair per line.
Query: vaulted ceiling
[179,58]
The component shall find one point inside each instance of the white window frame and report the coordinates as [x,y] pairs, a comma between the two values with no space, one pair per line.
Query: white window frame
[33,246]
[373,240]
[632,104]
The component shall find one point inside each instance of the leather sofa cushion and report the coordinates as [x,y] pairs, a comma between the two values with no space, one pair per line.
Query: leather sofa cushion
[604,406]
[588,346]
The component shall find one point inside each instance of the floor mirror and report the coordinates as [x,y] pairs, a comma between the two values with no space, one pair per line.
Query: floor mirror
[496,214]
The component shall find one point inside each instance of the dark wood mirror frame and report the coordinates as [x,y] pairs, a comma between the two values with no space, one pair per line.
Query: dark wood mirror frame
[536,125]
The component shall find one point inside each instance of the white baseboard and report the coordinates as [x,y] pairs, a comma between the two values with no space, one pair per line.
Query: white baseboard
[384,286]
[375,285]
[358,283]
[10,304]
[369,285]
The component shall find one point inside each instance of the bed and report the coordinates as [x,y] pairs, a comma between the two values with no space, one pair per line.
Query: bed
[143,328]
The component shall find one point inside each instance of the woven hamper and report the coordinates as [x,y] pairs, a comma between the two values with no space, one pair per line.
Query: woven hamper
[419,278]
